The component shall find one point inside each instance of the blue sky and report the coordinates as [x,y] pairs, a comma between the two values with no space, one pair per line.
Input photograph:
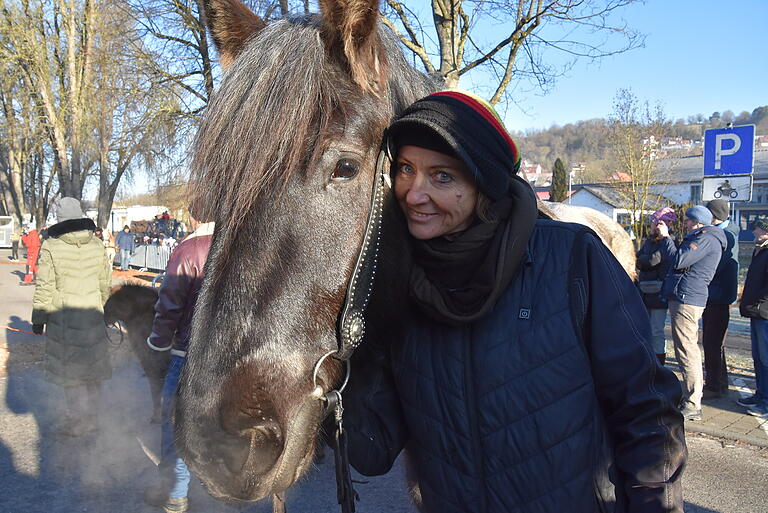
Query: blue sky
[699,57]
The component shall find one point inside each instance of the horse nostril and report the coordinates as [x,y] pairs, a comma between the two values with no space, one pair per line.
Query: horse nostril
[234,450]
[255,447]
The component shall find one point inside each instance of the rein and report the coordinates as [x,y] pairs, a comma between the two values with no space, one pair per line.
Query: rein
[350,330]
[115,326]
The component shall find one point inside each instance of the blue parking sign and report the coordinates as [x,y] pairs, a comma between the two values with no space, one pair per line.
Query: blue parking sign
[729,151]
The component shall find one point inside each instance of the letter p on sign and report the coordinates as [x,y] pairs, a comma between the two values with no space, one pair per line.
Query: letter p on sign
[720,151]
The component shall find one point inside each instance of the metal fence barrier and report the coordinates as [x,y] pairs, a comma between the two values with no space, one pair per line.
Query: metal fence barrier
[148,257]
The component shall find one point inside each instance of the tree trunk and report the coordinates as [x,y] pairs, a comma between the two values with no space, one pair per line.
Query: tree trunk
[104,203]
[445,15]
[204,50]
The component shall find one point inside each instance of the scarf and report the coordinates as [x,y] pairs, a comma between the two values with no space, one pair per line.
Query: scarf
[458,279]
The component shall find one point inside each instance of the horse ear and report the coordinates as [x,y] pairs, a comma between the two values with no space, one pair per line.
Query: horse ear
[231,24]
[350,31]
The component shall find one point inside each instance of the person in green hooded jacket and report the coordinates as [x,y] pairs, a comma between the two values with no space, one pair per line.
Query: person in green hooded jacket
[73,283]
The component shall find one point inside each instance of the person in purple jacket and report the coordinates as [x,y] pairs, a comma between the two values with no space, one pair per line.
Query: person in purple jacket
[686,289]
[653,261]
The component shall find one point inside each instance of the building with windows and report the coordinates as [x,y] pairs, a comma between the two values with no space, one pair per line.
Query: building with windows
[682,183]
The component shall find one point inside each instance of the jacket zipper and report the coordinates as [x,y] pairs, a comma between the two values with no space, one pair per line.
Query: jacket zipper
[474,430]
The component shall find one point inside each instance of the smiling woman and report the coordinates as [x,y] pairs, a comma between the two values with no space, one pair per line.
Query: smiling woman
[525,352]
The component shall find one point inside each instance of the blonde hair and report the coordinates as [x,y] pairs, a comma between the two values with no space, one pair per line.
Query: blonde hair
[483,209]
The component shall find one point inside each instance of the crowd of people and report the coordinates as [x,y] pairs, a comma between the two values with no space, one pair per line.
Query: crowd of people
[698,280]
[125,242]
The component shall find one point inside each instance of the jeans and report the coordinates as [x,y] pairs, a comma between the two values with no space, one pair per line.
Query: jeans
[15,250]
[658,316]
[172,468]
[759,329]
[125,259]
[685,335]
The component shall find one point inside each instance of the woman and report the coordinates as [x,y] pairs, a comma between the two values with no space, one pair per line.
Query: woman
[653,261]
[73,284]
[524,372]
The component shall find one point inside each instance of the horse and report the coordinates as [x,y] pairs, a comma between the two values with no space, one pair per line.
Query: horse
[284,161]
[134,307]
[610,232]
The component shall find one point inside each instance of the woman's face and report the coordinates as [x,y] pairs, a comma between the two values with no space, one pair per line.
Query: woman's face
[436,192]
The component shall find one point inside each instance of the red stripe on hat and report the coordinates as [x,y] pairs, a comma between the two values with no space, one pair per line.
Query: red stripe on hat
[483,111]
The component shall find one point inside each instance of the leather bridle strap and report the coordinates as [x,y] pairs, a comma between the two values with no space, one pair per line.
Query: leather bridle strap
[350,327]
[350,330]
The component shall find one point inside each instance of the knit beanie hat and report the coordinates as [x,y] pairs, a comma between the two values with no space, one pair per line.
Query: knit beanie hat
[67,209]
[760,222]
[720,209]
[666,214]
[699,214]
[464,126]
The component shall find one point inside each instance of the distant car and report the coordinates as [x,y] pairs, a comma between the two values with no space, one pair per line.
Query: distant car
[7,224]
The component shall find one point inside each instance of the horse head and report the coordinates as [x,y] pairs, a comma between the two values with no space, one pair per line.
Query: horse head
[285,160]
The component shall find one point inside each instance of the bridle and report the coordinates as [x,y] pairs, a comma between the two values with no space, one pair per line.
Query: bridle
[350,329]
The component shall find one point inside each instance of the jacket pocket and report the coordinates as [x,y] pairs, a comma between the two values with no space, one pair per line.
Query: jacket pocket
[669,287]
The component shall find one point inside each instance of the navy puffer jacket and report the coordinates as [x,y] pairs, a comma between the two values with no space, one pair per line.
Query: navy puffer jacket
[724,286]
[754,297]
[695,264]
[526,409]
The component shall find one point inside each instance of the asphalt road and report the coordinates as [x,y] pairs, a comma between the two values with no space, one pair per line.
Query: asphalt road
[41,473]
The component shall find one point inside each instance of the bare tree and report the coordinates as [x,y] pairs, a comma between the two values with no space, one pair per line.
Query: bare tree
[133,115]
[25,169]
[176,44]
[635,130]
[51,44]
[523,32]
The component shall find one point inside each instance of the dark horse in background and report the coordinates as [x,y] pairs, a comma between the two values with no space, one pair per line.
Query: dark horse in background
[285,159]
[134,307]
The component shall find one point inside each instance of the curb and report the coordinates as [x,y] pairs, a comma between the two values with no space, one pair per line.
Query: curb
[721,433]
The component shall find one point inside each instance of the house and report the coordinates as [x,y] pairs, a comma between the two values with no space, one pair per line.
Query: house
[612,202]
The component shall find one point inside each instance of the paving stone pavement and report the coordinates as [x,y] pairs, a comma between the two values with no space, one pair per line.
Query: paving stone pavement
[724,417]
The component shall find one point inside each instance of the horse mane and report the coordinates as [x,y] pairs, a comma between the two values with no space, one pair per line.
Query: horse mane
[280,100]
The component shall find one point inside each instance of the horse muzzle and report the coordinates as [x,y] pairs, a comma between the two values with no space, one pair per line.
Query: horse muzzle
[250,454]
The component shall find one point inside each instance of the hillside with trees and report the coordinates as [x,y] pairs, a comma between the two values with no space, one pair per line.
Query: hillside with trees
[589,142]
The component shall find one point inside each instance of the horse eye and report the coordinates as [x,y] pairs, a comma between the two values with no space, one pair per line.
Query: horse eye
[345,169]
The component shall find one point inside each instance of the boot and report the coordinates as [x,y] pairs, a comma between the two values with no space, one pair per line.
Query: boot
[662,358]
[176,505]
[157,495]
